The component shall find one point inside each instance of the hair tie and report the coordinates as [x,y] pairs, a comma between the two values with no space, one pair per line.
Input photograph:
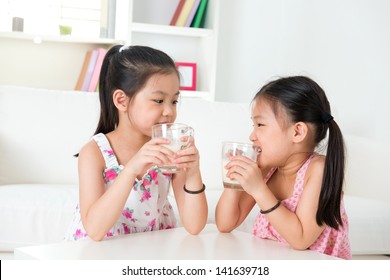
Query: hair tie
[326,117]
[124,47]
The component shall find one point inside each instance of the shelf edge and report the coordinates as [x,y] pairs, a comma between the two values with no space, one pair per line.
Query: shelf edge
[170,30]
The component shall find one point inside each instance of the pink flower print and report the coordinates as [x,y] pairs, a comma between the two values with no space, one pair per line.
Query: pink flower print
[79,234]
[109,234]
[146,183]
[147,213]
[109,152]
[110,174]
[128,214]
[153,175]
[126,229]
[152,223]
[145,195]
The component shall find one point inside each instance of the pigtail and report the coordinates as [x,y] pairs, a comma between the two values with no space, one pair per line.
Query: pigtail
[332,183]
[108,119]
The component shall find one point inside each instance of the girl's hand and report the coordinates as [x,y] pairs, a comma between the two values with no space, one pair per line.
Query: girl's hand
[151,153]
[188,158]
[247,173]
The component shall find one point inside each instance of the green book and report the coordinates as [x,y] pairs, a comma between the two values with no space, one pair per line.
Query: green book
[199,16]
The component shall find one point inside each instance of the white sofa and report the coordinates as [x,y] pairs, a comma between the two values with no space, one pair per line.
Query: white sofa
[41,130]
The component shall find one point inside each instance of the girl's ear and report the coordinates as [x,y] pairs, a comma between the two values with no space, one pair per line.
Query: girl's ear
[120,100]
[300,131]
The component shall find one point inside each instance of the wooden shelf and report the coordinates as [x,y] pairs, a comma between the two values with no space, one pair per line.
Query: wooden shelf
[61,39]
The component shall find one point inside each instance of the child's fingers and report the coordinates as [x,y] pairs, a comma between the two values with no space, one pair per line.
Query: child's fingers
[160,153]
[185,159]
[239,160]
[159,141]
[158,144]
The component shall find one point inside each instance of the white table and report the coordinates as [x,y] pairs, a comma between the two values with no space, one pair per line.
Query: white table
[170,244]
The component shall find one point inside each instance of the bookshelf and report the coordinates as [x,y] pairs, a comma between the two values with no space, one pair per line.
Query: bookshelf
[150,25]
[138,22]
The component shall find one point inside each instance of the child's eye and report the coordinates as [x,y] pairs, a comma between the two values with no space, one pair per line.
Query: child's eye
[260,125]
[175,102]
[158,101]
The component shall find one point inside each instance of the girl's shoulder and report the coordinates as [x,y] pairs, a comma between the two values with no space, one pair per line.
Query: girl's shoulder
[317,159]
[316,166]
[90,153]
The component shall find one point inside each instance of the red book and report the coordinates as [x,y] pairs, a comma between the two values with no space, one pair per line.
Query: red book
[177,12]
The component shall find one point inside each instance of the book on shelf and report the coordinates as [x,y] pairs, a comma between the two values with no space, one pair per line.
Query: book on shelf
[200,15]
[83,72]
[88,74]
[177,12]
[185,11]
[192,13]
[96,71]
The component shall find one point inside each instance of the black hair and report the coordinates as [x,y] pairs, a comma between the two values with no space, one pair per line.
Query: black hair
[127,68]
[305,101]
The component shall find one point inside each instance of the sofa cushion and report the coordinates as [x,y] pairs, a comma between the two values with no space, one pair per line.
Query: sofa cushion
[35,214]
[369,225]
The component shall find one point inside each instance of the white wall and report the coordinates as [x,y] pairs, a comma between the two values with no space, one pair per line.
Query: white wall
[343,44]
[249,47]
[46,65]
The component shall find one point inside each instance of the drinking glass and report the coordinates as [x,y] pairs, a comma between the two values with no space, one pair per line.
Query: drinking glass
[179,136]
[229,150]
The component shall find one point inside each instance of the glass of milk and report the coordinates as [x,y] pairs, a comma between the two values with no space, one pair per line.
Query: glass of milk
[179,136]
[231,149]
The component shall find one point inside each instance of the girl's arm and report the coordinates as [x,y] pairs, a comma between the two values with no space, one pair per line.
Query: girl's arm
[192,207]
[299,229]
[232,209]
[101,209]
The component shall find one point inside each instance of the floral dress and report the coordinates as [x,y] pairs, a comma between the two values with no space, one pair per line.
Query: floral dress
[147,207]
[331,241]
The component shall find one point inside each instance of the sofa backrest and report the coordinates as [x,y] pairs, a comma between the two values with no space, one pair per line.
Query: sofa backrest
[40,131]
[214,122]
[367,167]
